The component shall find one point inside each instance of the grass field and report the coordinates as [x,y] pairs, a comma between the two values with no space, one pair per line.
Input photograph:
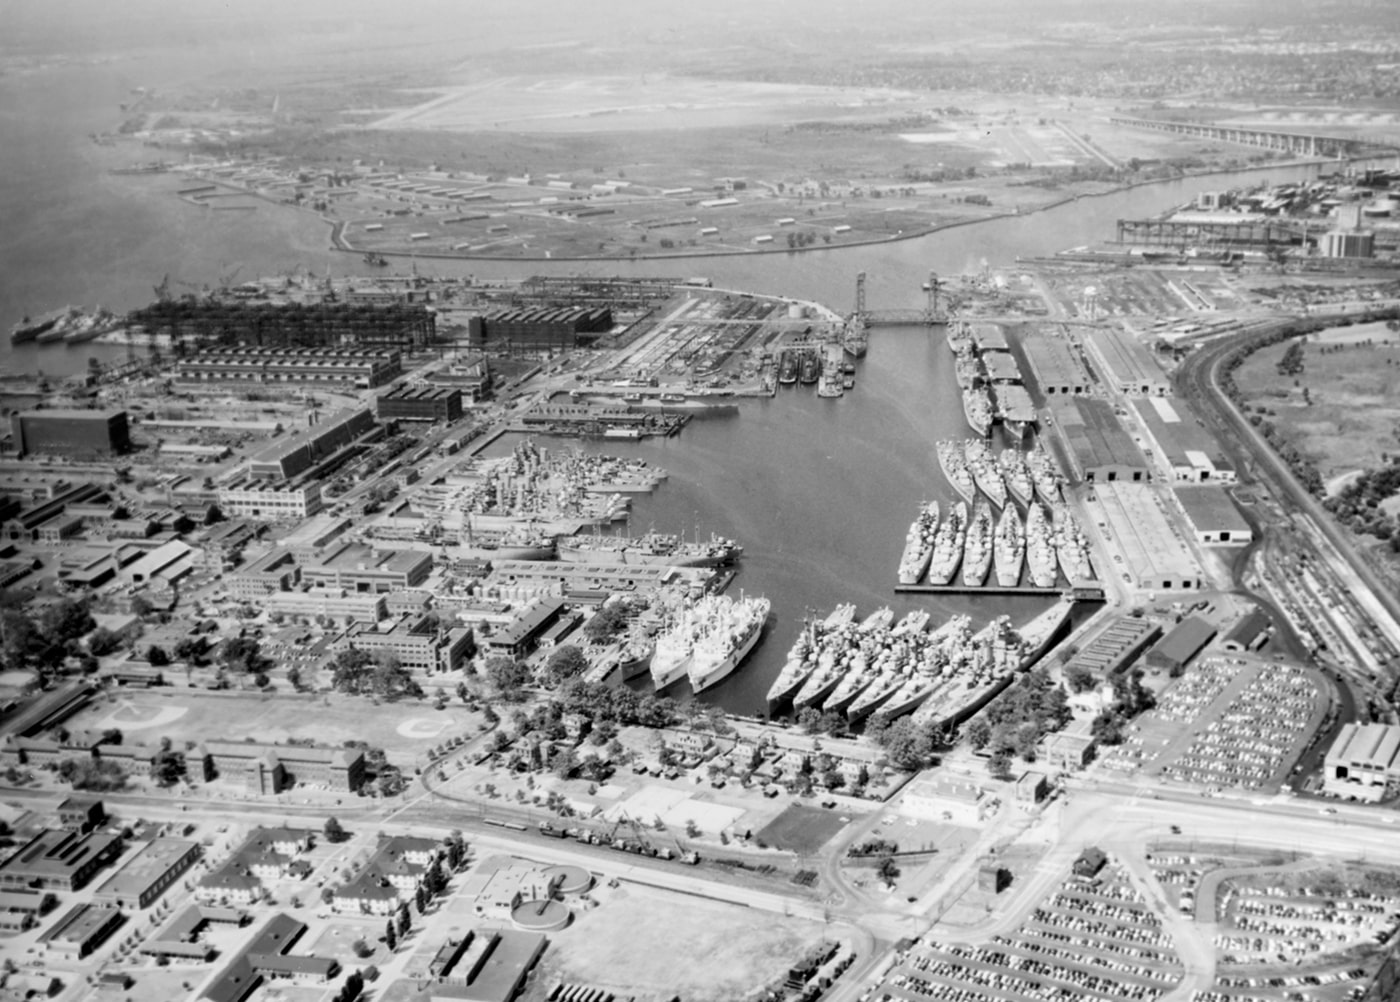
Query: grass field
[801,829]
[646,942]
[1352,408]
[402,730]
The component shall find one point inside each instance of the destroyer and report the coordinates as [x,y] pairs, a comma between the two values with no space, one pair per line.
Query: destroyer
[977,408]
[1044,474]
[985,471]
[977,553]
[948,545]
[952,460]
[802,658]
[918,544]
[1010,547]
[1040,547]
[1017,475]
[1072,547]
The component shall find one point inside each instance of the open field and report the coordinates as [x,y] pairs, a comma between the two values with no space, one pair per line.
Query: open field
[1353,398]
[646,942]
[403,731]
[801,829]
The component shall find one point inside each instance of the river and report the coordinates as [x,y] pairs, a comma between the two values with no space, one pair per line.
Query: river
[819,492]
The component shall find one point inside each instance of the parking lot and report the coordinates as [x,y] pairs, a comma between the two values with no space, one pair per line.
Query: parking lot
[1227,722]
[1090,938]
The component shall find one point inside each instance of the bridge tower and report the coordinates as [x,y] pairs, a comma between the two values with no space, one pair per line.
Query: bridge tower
[932,287]
[860,294]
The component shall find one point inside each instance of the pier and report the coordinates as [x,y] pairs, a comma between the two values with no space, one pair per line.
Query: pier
[1079,594]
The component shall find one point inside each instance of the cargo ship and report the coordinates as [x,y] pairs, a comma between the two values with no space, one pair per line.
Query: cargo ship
[1017,475]
[802,657]
[986,474]
[729,632]
[948,545]
[1040,546]
[977,550]
[674,650]
[952,460]
[977,408]
[653,548]
[918,544]
[635,657]
[1009,547]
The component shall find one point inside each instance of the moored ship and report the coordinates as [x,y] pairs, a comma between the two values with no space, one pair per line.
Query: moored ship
[1044,474]
[1009,547]
[953,462]
[674,650]
[855,337]
[965,369]
[653,548]
[959,337]
[986,474]
[729,633]
[977,551]
[30,328]
[948,545]
[802,657]
[1017,475]
[977,408]
[1040,546]
[1016,410]
[787,368]
[918,544]
[1072,547]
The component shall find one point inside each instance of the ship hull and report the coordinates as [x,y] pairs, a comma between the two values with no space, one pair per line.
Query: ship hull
[700,682]
[664,675]
[583,555]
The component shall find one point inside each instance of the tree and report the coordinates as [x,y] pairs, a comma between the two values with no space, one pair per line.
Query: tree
[607,621]
[103,641]
[999,765]
[564,763]
[156,655]
[361,949]
[888,869]
[508,676]
[1080,679]
[333,830]
[294,677]
[391,939]
[979,732]
[192,650]
[66,620]
[389,679]
[809,718]
[242,654]
[908,747]
[565,663]
[405,921]
[352,671]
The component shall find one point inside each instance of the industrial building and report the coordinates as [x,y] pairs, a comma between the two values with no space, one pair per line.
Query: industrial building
[337,603]
[417,643]
[519,637]
[1213,515]
[1177,649]
[267,956]
[60,860]
[487,965]
[359,368]
[269,501]
[1250,633]
[80,930]
[294,325]
[1363,761]
[1117,648]
[306,448]
[358,567]
[1056,366]
[1125,363]
[1154,555]
[78,434]
[420,403]
[1180,444]
[273,572]
[145,876]
[539,328]
[1099,449]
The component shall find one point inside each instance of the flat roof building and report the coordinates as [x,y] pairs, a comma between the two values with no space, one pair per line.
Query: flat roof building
[145,876]
[1125,363]
[1117,647]
[420,403]
[358,368]
[1154,553]
[304,449]
[265,768]
[488,965]
[358,567]
[418,644]
[80,434]
[1213,515]
[81,930]
[1056,365]
[270,501]
[1180,444]
[1363,761]
[1099,448]
[57,859]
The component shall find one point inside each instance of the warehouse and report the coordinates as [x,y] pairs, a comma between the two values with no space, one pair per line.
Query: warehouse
[306,448]
[1099,449]
[145,876]
[86,434]
[269,501]
[1153,552]
[1125,363]
[1249,634]
[1180,444]
[61,860]
[1056,366]
[1363,761]
[1117,648]
[81,929]
[420,403]
[1213,516]
[1177,649]
[360,368]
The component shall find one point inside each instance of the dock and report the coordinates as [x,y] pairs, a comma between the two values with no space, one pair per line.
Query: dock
[962,589]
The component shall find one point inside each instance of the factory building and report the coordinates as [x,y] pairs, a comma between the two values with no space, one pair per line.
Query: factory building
[1125,363]
[538,328]
[1056,366]
[360,368]
[269,501]
[1363,761]
[1117,648]
[78,434]
[1154,555]
[1099,449]
[1177,649]
[1180,444]
[420,403]
[56,859]
[306,448]
[145,876]
[1213,516]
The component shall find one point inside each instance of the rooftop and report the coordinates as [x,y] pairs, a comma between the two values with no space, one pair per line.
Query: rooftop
[1211,509]
[150,863]
[1150,546]
[1095,434]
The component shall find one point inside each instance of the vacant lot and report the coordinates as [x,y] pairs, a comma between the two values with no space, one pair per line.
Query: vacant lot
[647,942]
[801,829]
[1351,409]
